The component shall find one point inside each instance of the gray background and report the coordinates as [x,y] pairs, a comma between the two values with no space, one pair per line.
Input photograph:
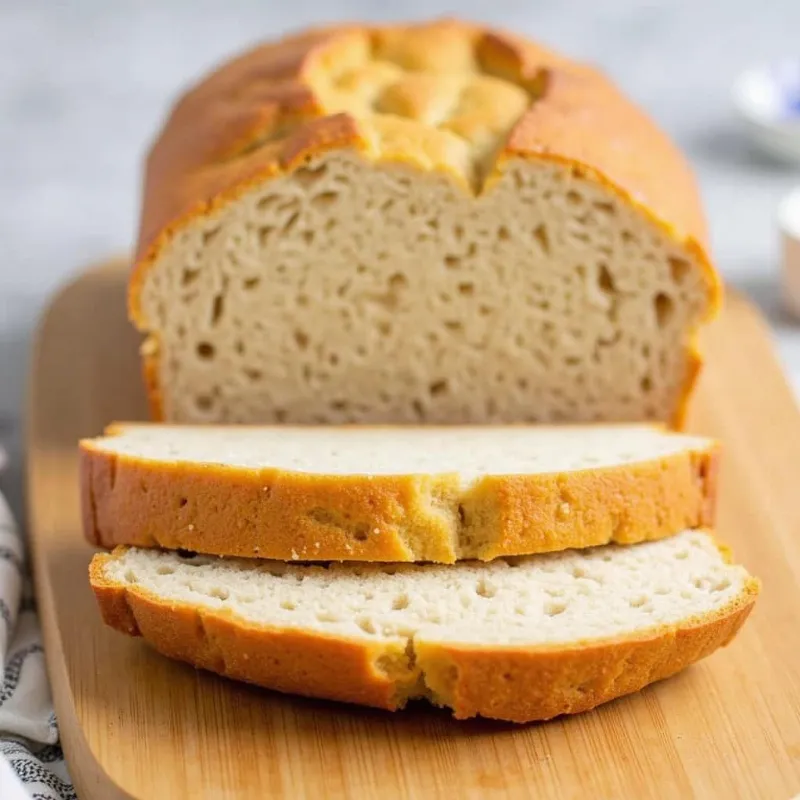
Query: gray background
[84,85]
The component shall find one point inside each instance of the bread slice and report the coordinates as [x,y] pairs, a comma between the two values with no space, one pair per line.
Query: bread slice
[519,639]
[392,493]
[436,222]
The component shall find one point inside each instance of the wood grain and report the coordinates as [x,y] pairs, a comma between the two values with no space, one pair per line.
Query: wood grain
[136,725]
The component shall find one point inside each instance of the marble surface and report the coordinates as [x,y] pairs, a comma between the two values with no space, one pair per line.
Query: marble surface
[84,85]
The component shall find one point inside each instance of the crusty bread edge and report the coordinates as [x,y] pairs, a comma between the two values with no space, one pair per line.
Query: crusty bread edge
[301,516]
[513,683]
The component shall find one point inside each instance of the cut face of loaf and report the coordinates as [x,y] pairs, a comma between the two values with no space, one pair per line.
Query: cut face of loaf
[520,640]
[394,493]
[460,227]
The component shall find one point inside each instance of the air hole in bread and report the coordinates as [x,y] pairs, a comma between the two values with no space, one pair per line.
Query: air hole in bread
[367,625]
[217,309]
[466,289]
[682,555]
[130,576]
[485,588]
[452,262]
[438,388]
[604,280]
[189,276]
[205,351]
[579,572]
[301,338]
[324,200]
[542,238]
[291,222]
[400,602]
[603,208]
[678,268]
[360,534]
[204,403]
[267,202]
[265,233]
[219,593]
[637,602]
[253,374]
[646,383]
[328,616]
[502,233]
[555,608]
[251,283]
[209,236]
[288,605]
[665,308]
[398,281]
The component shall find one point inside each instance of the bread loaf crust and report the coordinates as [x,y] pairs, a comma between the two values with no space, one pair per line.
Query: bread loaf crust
[518,684]
[260,116]
[276,514]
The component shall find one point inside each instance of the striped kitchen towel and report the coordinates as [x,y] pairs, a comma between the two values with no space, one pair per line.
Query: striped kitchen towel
[31,761]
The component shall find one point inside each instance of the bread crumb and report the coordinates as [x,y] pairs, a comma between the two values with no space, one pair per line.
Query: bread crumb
[376,530]
[294,555]
[190,526]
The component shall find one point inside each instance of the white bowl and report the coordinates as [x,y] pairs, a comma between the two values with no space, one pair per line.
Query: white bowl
[767,99]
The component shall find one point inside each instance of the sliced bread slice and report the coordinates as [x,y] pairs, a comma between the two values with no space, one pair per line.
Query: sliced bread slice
[392,493]
[521,639]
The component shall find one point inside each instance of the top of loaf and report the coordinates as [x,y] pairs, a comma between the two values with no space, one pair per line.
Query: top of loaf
[444,95]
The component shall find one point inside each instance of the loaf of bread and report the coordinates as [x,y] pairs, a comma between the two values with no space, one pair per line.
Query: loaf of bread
[430,223]
[393,493]
[521,640]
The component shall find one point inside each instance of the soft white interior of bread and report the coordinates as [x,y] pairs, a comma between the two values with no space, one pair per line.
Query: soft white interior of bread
[352,291]
[469,451]
[563,599]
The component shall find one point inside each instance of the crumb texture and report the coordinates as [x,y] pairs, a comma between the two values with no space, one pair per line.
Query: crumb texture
[470,452]
[558,600]
[420,261]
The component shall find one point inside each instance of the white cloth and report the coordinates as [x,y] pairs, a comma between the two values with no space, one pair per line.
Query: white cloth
[31,761]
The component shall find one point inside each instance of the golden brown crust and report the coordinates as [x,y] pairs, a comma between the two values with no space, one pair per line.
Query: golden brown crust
[297,516]
[519,684]
[267,111]
[282,659]
[538,684]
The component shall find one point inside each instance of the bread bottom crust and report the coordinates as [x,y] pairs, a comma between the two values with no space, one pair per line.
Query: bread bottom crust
[513,683]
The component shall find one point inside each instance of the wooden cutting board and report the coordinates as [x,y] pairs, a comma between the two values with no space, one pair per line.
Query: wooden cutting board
[134,724]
